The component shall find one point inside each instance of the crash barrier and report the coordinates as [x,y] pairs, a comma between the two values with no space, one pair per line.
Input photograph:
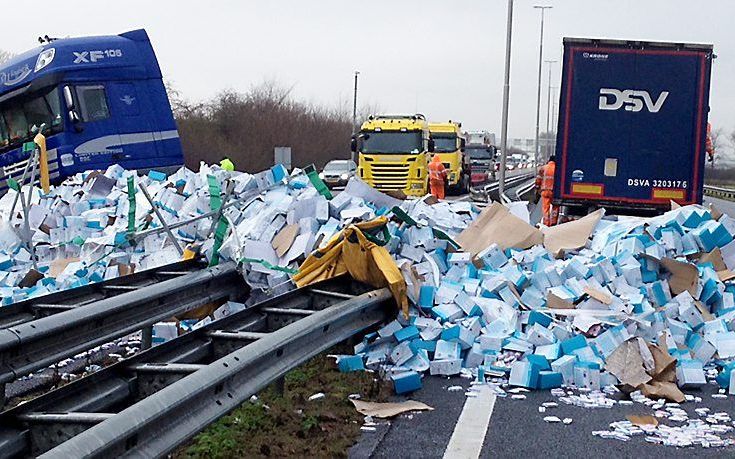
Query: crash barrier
[43,306]
[146,405]
[490,191]
[720,192]
[33,345]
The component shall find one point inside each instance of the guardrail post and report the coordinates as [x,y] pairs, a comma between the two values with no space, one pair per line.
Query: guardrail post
[146,337]
[280,385]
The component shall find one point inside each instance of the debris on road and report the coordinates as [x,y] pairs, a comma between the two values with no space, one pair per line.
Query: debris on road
[389,410]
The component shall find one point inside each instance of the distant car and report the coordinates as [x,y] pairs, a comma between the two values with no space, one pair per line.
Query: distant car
[338,172]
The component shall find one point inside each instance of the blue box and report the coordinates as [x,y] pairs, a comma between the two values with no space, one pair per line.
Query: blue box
[426,296]
[568,345]
[407,381]
[549,379]
[536,317]
[350,363]
[406,334]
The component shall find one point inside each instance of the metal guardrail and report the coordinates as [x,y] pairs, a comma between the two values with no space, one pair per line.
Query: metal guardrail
[720,192]
[490,190]
[46,305]
[148,404]
[521,190]
[33,345]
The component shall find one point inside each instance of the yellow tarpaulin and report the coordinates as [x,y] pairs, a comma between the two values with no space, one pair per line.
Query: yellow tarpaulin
[350,252]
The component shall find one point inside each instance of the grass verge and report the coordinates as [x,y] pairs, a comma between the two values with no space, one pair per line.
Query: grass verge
[290,425]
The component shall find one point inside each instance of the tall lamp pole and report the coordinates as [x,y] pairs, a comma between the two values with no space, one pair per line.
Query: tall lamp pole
[354,113]
[506,95]
[547,144]
[543,8]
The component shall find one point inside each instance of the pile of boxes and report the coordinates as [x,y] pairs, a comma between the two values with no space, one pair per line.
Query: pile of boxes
[535,321]
[82,231]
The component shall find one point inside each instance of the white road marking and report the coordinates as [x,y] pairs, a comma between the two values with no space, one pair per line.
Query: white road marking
[469,433]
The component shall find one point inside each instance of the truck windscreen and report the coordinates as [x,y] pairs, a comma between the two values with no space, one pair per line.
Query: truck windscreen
[445,144]
[392,142]
[19,114]
[479,153]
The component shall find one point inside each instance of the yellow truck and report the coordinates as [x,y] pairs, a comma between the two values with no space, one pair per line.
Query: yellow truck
[449,145]
[393,153]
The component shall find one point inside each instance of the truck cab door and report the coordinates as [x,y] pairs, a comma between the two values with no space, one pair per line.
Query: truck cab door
[95,137]
[134,125]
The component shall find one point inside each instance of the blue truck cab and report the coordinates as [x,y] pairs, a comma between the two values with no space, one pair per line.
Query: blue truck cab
[102,101]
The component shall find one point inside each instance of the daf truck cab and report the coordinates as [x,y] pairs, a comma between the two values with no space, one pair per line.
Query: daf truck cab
[393,153]
[101,99]
[449,145]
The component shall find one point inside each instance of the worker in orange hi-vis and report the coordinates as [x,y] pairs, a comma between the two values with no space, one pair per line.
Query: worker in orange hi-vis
[709,147]
[545,186]
[437,177]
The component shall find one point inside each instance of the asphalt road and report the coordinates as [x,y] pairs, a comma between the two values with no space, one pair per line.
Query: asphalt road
[517,428]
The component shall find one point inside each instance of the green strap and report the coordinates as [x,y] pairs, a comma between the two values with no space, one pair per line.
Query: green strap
[320,186]
[131,205]
[372,235]
[269,265]
[215,202]
[405,218]
[219,236]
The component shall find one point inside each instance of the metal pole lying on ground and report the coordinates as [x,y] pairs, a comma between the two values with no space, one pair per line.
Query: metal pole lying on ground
[160,218]
[506,95]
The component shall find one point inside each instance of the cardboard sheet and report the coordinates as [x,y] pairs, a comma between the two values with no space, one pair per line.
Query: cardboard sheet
[714,257]
[683,276]
[626,363]
[496,224]
[284,239]
[571,235]
[602,297]
[642,419]
[388,410]
[554,302]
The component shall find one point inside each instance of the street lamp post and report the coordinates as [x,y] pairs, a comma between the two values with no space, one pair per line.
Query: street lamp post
[506,95]
[543,8]
[354,113]
[548,113]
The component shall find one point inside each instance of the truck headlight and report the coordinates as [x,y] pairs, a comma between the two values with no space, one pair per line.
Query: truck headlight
[321,175]
[417,186]
[344,176]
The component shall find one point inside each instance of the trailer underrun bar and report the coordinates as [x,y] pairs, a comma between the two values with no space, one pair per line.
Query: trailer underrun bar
[150,403]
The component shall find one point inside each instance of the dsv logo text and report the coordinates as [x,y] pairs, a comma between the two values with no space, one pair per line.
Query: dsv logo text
[632,99]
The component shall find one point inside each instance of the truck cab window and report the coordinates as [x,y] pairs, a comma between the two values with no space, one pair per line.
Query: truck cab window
[93,102]
[20,114]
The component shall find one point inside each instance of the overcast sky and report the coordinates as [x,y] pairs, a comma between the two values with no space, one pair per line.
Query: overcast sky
[441,58]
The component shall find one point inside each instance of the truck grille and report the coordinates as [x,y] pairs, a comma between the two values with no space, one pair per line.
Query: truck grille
[389,176]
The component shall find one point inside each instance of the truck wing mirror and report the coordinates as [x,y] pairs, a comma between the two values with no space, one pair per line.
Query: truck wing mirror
[431,145]
[353,144]
[68,98]
[462,144]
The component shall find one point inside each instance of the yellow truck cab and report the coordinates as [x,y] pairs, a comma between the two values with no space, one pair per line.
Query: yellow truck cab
[449,145]
[393,153]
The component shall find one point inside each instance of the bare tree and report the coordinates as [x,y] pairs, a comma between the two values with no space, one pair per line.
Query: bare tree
[247,126]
